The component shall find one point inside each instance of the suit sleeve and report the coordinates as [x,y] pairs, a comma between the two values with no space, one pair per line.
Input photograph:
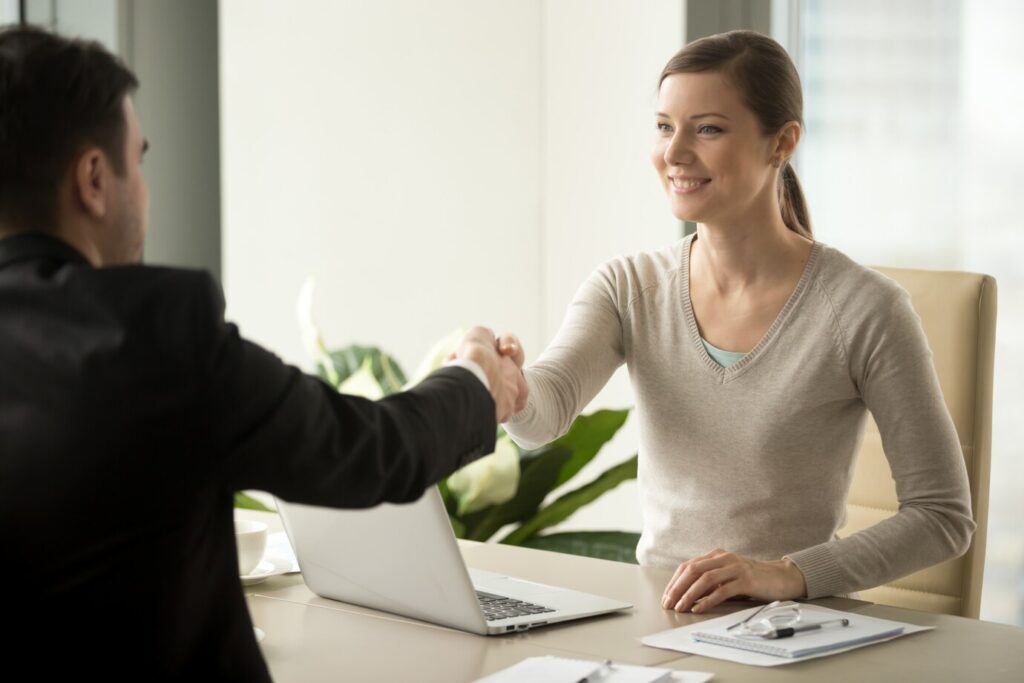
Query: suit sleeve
[277,429]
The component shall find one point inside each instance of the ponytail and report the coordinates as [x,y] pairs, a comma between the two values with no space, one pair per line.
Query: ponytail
[793,204]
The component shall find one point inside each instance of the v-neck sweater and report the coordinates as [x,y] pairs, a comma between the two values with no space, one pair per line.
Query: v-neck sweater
[757,458]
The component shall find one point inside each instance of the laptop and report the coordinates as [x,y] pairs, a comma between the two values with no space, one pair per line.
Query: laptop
[404,559]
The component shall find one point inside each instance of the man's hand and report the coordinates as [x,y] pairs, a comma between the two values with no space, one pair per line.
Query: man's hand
[508,386]
[721,575]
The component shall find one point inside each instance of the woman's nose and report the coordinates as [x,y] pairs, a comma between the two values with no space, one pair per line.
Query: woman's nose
[679,152]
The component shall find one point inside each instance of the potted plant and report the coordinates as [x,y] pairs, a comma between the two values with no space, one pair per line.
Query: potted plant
[503,495]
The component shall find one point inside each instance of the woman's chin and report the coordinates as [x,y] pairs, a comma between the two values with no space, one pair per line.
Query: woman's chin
[686,215]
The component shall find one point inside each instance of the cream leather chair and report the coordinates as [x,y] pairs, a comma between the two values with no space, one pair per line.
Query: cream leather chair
[958,311]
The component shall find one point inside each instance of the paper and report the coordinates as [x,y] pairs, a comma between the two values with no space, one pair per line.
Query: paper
[682,639]
[546,670]
[280,551]
[561,670]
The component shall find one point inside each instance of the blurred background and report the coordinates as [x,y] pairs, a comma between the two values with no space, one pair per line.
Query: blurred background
[445,163]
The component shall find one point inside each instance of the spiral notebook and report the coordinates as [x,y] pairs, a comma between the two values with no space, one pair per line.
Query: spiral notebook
[859,632]
[712,638]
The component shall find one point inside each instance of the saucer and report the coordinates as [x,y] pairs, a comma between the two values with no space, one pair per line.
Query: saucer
[268,567]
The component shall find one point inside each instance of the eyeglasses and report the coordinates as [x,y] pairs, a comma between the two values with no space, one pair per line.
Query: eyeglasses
[768,619]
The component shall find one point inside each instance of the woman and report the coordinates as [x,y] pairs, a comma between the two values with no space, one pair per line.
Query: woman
[755,353]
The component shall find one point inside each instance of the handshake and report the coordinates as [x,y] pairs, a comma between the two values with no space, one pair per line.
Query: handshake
[501,359]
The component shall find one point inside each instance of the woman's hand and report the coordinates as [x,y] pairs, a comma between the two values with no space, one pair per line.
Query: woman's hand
[721,575]
[509,345]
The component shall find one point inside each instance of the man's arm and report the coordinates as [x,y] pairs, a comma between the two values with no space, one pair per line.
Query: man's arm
[276,429]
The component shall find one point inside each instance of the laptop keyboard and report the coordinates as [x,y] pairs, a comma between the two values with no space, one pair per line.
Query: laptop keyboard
[498,607]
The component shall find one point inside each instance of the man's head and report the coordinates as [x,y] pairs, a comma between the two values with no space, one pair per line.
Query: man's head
[70,145]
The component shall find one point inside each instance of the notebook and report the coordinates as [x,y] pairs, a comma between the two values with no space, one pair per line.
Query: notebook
[712,638]
[862,630]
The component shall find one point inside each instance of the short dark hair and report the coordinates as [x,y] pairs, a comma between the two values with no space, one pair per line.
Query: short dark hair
[57,95]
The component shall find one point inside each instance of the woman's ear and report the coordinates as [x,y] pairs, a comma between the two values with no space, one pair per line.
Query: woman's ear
[90,182]
[787,139]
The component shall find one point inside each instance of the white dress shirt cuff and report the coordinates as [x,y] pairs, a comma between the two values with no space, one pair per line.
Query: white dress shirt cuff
[473,367]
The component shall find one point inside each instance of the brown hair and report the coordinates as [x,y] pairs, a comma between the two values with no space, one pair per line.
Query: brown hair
[769,84]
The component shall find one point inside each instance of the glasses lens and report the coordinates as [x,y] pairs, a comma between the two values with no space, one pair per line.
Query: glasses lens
[759,628]
[772,620]
[783,617]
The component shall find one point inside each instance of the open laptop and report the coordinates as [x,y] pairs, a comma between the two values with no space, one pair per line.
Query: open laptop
[404,559]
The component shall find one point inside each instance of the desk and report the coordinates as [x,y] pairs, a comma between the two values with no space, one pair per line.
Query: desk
[312,639]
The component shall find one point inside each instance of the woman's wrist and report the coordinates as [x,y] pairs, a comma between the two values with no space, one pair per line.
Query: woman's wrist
[796,584]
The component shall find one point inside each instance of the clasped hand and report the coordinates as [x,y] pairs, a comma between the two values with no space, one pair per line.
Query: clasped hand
[703,582]
[502,362]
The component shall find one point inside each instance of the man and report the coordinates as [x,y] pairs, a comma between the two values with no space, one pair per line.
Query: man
[130,411]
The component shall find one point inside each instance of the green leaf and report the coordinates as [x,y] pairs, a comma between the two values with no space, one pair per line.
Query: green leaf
[586,437]
[539,471]
[386,370]
[619,546]
[450,504]
[248,503]
[561,509]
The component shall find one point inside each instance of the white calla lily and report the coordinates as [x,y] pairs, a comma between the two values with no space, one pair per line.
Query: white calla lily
[436,357]
[491,480]
[311,337]
[363,383]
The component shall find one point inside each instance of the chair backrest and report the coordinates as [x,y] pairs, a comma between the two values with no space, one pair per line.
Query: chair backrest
[958,312]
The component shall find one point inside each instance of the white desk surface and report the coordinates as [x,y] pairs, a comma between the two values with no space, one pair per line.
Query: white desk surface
[309,638]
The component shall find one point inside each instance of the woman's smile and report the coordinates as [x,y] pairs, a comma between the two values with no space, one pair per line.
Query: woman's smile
[682,184]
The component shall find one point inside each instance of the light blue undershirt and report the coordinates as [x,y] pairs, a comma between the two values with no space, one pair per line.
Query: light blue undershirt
[723,358]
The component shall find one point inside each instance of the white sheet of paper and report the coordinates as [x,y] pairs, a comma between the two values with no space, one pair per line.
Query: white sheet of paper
[562,670]
[680,639]
[545,670]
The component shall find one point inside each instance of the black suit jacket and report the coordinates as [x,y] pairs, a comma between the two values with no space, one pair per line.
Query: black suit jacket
[129,414]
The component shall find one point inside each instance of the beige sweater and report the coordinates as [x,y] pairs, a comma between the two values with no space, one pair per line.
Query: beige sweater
[757,458]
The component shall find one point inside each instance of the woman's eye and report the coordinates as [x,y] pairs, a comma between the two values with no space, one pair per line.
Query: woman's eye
[664,128]
[708,130]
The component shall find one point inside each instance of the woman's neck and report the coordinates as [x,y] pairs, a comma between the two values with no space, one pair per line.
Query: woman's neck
[734,258]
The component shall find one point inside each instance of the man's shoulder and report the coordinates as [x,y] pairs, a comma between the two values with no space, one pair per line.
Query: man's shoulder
[175,311]
[153,289]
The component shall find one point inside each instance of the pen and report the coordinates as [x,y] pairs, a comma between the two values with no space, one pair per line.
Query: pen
[600,674]
[787,632]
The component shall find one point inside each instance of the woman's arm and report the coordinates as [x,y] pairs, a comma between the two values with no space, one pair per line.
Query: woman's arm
[576,365]
[892,365]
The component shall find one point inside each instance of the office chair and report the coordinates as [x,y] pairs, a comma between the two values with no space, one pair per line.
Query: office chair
[958,311]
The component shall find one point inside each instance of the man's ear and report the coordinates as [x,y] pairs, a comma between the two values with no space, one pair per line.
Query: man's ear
[90,178]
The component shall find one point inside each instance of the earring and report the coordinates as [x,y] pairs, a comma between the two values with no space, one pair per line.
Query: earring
[776,162]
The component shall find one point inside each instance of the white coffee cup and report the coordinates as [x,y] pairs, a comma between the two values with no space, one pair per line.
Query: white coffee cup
[251,539]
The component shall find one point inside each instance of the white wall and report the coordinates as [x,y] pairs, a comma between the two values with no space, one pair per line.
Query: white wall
[439,164]
[601,194]
[390,149]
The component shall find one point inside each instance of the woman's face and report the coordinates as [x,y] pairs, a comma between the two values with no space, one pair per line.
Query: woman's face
[713,159]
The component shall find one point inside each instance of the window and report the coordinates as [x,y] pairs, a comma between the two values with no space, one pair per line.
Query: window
[913,157]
